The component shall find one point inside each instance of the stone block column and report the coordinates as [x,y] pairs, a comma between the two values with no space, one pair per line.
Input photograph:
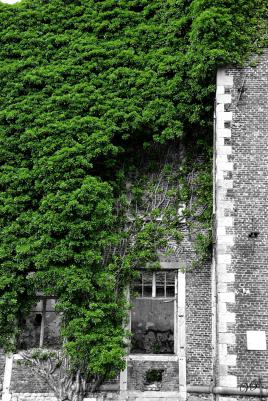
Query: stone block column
[224,231]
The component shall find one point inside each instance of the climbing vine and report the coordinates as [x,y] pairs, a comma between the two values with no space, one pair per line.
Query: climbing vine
[85,85]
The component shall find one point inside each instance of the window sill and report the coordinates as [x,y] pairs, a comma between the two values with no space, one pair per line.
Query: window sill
[153,357]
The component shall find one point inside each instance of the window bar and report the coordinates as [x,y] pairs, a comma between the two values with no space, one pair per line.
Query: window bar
[176,315]
[154,286]
[43,322]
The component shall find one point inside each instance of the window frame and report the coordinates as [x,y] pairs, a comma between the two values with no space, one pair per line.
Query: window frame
[176,308]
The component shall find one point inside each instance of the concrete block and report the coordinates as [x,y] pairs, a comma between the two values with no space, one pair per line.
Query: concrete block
[224,116]
[222,349]
[222,326]
[227,297]
[225,204]
[222,287]
[228,381]
[222,267]
[229,360]
[226,166]
[224,150]
[227,338]
[222,370]
[221,231]
[223,79]
[226,277]
[221,192]
[224,259]
[220,105]
[220,90]
[223,132]
[228,317]
[226,221]
[223,97]
[219,142]
[221,158]
[225,239]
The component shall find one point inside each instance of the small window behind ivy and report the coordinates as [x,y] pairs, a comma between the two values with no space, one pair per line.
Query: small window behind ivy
[41,328]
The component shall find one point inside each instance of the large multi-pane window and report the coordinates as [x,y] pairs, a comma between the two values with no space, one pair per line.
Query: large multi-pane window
[153,311]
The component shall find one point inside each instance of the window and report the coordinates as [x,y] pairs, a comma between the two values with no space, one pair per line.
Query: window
[42,327]
[160,284]
[153,311]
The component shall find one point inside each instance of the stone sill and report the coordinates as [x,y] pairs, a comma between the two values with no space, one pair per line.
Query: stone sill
[153,357]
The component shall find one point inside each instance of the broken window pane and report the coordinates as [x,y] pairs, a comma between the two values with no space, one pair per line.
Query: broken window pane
[152,326]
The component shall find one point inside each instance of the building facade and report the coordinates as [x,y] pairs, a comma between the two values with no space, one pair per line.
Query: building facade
[200,333]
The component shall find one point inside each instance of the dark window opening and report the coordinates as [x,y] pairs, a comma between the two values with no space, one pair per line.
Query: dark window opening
[154,376]
[41,328]
[38,320]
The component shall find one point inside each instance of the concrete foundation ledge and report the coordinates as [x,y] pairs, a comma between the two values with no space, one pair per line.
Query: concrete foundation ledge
[125,396]
[152,396]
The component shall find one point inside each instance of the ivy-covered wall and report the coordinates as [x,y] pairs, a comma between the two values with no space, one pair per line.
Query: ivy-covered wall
[87,90]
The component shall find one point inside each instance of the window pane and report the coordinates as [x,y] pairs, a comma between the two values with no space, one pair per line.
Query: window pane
[170,277]
[147,291]
[160,278]
[147,283]
[160,291]
[137,291]
[147,278]
[52,325]
[170,291]
[152,326]
[138,280]
[38,307]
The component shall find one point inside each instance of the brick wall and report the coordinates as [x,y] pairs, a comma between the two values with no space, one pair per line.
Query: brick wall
[198,326]
[250,191]
[23,380]
[137,375]
[242,209]
[2,367]
[242,200]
